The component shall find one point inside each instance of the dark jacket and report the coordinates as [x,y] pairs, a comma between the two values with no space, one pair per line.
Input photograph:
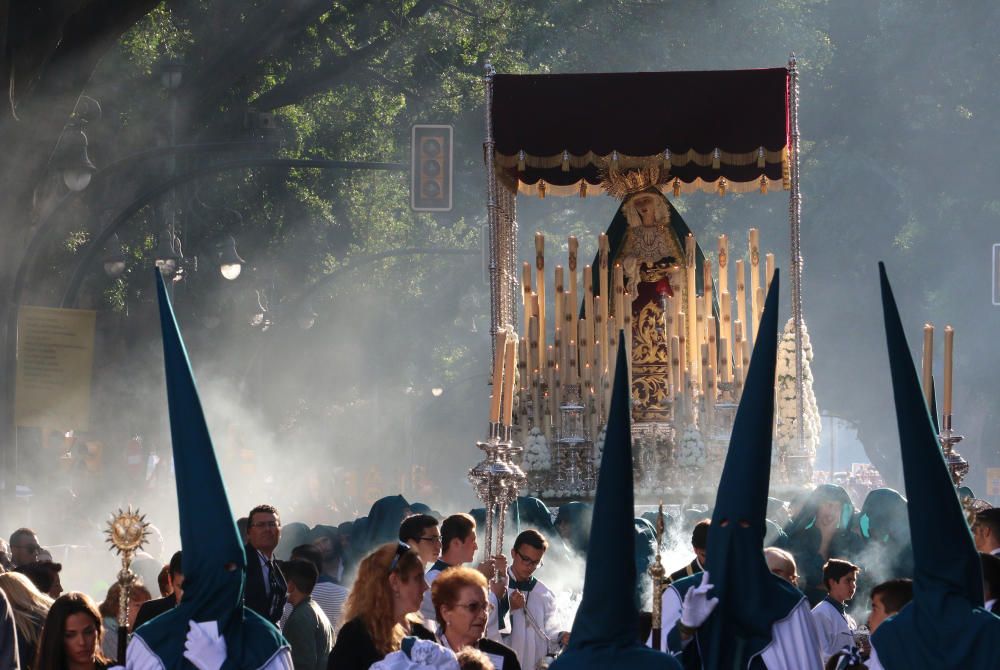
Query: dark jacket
[255,592]
[355,649]
[691,568]
[154,608]
[510,662]
[309,633]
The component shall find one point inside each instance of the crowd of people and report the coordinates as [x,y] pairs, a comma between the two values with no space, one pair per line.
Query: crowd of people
[347,597]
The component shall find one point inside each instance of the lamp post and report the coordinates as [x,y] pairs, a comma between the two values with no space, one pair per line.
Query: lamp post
[230,263]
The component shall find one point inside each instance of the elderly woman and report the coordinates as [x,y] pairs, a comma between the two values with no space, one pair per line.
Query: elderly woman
[461,605]
[381,608]
[30,607]
[71,638]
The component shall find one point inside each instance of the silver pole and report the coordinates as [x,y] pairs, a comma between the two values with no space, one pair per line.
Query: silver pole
[795,219]
[492,219]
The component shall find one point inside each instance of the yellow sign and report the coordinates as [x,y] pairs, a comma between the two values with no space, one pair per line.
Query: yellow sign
[55,355]
[993,481]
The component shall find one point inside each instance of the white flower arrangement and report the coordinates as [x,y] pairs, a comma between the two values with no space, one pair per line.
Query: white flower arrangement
[599,447]
[691,449]
[537,455]
[786,409]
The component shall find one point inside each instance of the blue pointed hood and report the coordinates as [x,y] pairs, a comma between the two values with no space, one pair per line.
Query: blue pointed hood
[751,598]
[214,561]
[945,625]
[605,631]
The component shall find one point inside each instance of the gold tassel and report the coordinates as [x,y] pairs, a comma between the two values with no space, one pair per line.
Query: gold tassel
[716,159]
[666,160]
[565,161]
[722,186]
[760,158]
[677,186]
[541,189]
[520,160]
[614,160]
[583,188]
[763,184]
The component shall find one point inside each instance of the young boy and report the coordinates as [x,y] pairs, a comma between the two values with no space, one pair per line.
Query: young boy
[307,629]
[834,627]
[887,599]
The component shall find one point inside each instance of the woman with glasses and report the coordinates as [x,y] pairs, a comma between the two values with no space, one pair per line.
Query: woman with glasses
[71,638]
[381,608]
[461,604]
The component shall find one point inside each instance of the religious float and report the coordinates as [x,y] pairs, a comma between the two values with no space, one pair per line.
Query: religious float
[689,319]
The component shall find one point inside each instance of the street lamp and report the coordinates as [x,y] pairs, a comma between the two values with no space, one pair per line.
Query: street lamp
[230,263]
[168,254]
[114,260]
[71,159]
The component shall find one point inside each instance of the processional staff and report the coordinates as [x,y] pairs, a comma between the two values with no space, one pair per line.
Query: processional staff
[127,531]
[658,573]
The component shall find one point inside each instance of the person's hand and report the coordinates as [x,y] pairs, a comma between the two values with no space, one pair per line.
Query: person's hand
[500,563]
[516,600]
[697,606]
[204,647]
[487,568]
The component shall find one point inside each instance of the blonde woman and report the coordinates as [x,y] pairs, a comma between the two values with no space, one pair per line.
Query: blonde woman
[381,608]
[30,606]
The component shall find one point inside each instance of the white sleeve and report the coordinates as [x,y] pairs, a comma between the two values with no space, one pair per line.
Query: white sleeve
[551,625]
[493,622]
[138,656]
[427,605]
[670,614]
[282,660]
[794,644]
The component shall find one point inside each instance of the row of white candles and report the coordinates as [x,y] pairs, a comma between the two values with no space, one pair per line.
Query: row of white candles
[583,349]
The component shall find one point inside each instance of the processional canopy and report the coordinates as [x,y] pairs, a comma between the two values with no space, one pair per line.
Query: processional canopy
[566,134]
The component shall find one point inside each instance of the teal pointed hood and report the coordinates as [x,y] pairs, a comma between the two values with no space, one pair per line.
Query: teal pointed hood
[751,598]
[606,629]
[214,561]
[945,626]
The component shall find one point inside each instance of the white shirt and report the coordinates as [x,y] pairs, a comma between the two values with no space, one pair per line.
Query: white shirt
[139,656]
[833,627]
[529,646]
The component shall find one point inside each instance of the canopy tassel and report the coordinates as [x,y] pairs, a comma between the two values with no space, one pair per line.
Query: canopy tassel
[716,159]
[565,161]
[520,160]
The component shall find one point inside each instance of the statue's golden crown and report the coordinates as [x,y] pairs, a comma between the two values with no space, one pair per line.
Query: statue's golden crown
[622,182]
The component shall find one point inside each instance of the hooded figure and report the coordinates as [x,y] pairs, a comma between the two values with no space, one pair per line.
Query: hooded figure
[220,631]
[820,531]
[383,521]
[760,620]
[945,626]
[606,627]
[573,522]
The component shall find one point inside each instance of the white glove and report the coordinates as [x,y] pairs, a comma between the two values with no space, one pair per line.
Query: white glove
[204,647]
[697,606]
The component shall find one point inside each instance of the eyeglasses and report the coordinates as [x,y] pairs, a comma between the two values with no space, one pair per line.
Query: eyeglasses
[530,562]
[401,549]
[436,539]
[266,524]
[476,608]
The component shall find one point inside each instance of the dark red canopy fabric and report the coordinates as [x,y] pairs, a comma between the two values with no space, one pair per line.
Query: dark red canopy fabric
[731,124]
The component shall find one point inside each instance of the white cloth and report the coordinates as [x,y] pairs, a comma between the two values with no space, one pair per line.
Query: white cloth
[988,605]
[794,644]
[996,552]
[140,657]
[425,654]
[873,663]
[834,629]
[523,638]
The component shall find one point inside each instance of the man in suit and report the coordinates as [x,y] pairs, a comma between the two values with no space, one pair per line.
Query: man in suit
[154,608]
[699,542]
[266,590]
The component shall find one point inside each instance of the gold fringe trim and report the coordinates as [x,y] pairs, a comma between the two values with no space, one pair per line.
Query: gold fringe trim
[715,158]
[583,189]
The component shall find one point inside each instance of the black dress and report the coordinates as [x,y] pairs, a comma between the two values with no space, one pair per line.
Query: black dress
[355,649]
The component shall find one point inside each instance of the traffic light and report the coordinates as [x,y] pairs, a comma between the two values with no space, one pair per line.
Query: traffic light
[431,171]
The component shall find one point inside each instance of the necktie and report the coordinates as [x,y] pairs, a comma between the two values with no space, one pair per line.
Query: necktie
[273,589]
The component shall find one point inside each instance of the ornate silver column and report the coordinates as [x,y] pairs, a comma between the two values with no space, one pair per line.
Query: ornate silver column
[794,219]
